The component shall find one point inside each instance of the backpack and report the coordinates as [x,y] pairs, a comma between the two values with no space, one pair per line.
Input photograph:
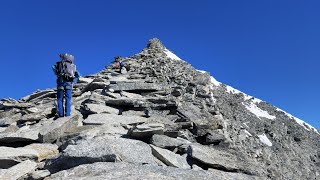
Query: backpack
[65,68]
[125,64]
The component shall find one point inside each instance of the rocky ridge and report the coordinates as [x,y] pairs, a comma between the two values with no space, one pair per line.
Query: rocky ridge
[160,119]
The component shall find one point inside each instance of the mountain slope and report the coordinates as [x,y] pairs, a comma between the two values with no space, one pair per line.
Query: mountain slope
[162,112]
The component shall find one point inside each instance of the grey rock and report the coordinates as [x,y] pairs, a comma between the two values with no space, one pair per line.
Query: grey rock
[103,149]
[134,86]
[5,105]
[12,156]
[133,113]
[233,175]
[93,86]
[166,142]
[37,114]
[130,95]
[155,43]
[10,116]
[126,171]
[18,171]
[40,174]
[99,119]
[40,95]
[176,92]
[85,80]
[10,119]
[145,130]
[112,95]
[169,158]
[24,134]
[222,159]
[215,137]
[45,151]
[53,131]
[101,108]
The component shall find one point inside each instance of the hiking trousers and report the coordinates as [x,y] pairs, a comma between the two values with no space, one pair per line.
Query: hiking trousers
[64,95]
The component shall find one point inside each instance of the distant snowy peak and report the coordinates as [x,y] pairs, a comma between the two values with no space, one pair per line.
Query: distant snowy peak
[171,54]
[251,105]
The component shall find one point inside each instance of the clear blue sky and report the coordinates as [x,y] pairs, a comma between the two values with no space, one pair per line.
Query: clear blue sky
[267,49]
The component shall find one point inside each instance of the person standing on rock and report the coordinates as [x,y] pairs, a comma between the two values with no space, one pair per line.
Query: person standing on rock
[66,73]
[120,65]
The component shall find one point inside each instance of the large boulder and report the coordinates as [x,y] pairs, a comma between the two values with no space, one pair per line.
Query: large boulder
[103,149]
[53,131]
[224,159]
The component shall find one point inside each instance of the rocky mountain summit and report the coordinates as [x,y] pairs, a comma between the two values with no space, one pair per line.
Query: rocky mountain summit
[161,119]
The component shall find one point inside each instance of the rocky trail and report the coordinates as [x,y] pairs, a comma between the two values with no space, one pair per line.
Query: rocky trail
[162,119]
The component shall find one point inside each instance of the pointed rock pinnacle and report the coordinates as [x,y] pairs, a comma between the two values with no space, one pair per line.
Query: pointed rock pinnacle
[155,43]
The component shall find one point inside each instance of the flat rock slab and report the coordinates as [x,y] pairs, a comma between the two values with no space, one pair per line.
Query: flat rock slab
[101,108]
[113,119]
[45,151]
[41,94]
[220,158]
[16,105]
[214,157]
[11,156]
[110,129]
[134,86]
[18,171]
[38,115]
[116,79]
[40,174]
[9,116]
[166,142]
[85,80]
[53,131]
[24,134]
[130,95]
[93,86]
[146,130]
[103,149]
[169,158]
[233,175]
[126,171]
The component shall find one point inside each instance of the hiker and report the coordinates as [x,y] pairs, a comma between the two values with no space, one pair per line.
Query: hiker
[120,65]
[66,74]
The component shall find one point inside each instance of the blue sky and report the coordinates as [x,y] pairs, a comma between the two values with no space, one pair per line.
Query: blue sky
[267,49]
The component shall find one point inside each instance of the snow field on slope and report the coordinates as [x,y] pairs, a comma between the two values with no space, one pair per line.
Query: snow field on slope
[252,107]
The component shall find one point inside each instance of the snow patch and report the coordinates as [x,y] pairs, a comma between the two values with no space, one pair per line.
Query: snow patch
[171,55]
[299,121]
[215,82]
[264,139]
[257,111]
[202,71]
[232,90]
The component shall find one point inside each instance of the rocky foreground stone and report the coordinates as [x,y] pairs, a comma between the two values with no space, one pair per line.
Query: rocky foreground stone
[160,119]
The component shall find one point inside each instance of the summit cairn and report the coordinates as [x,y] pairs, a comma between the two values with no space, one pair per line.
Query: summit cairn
[162,119]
